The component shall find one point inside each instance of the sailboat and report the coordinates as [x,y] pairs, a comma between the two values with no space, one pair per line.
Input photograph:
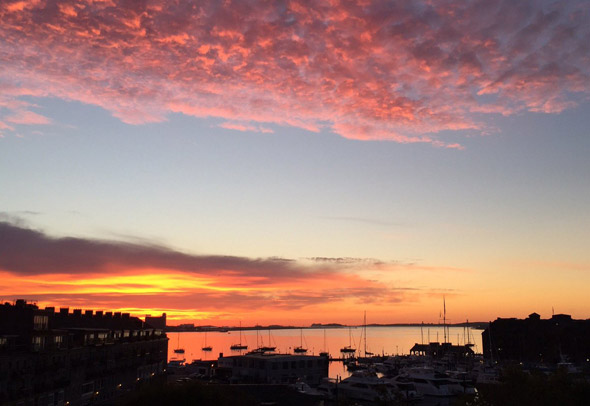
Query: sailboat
[206,347]
[268,348]
[367,353]
[178,350]
[324,352]
[348,349]
[300,349]
[240,346]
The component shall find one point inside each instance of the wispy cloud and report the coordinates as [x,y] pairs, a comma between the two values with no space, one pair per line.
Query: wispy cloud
[379,70]
[243,127]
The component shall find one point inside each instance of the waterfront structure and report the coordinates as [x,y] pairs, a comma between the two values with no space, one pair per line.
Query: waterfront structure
[556,340]
[64,358]
[275,368]
[436,350]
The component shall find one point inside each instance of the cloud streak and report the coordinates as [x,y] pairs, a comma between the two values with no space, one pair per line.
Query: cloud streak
[378,70]
[29,252]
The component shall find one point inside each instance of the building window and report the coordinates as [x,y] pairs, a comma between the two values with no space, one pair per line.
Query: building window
[38,343]
[40,322]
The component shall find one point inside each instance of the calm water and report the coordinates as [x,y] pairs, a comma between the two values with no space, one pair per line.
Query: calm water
[380,340]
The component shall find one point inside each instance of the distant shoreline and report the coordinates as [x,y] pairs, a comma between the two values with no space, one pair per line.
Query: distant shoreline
[184,328]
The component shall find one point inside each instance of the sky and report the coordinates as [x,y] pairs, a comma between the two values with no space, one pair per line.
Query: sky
[293,162]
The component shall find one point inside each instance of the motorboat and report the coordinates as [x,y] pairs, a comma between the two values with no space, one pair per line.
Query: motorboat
[304,388]
[407,391]
[366,387]
[429,382]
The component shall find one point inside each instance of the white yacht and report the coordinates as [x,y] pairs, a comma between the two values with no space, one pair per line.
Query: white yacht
[429,382]
[365,386]
[405,391]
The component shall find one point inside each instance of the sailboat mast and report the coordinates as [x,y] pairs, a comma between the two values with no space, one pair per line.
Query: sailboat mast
[422,333]
[365,332]
[301,338]
[445,319]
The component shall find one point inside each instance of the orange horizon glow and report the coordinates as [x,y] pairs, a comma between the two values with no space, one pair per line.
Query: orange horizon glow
[153,292]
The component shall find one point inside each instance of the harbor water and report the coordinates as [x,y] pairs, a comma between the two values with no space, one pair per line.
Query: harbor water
[396,340]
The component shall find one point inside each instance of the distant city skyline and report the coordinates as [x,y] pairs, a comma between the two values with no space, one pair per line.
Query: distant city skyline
[296,163]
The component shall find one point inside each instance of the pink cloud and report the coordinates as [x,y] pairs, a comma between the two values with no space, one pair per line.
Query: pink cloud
[242,127]
[373,70]
[27,117]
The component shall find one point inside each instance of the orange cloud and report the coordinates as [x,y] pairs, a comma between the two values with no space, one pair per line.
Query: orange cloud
[373,70]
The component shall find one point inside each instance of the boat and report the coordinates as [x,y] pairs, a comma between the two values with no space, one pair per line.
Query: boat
[178,350]
[429,382]
[265,348]
[407,391]
[303,388]
[206,348]
[300,349]
[349,348]
[324,352]
[270,347]
[239,346]
[365,386]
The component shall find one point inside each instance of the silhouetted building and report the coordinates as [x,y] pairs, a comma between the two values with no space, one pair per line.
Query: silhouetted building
[275,368]
[158,322]
[58,358]
[554,340]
